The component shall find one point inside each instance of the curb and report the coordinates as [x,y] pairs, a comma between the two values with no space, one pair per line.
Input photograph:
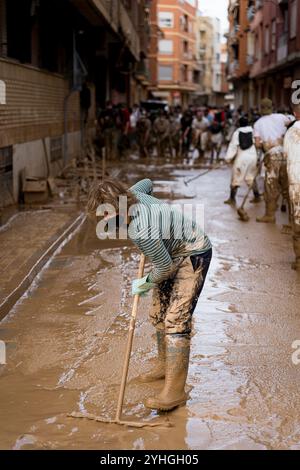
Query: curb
[38,262]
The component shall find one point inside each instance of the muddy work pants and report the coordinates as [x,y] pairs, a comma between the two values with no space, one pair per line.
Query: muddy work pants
[295,216]
[163,143]
[175,300]
[276,181]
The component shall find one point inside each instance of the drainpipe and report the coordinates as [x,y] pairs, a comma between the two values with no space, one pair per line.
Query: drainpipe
[79,71]
[66,107]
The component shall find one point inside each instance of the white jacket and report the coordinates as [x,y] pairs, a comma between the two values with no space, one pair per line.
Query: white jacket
[234,149]
[245,164]
[271,129]
[292,151]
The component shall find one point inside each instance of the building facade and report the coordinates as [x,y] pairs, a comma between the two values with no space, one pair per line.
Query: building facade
[212,59]
[155,35]
[177,68]
[275,57]
[238,39]
[205,57]
[264,51]
[48,49]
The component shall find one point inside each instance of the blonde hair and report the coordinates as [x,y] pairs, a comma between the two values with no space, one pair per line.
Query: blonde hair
[108,192]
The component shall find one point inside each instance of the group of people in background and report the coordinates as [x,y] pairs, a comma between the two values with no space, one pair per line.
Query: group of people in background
[255,140]
[272,143]
[163,132]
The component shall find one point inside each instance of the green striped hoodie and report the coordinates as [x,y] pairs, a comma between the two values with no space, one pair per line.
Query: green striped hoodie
[162,233]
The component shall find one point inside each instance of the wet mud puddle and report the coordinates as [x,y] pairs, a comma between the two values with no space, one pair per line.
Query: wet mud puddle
[67,336]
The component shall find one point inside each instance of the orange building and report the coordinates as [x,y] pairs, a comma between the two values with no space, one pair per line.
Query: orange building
[177,68]
[153,50]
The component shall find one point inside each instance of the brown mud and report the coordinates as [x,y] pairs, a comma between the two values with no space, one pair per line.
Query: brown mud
[66,340]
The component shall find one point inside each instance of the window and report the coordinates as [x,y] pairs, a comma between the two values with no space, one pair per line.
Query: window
[19,30]
[186,23]
[185,47]
[6,155]
[196,77]
[6,175]
[166,46]
[165,72]
[286,20]
[273,37]
[267,40]
[185,73]
[294,19]
[166,19]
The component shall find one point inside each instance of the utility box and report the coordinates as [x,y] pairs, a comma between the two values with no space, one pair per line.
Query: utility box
[35,190]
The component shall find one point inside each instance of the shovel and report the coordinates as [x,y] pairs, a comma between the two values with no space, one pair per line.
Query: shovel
[244,217]
[241,211]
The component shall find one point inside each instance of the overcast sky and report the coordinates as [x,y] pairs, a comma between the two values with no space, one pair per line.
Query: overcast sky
[217,8]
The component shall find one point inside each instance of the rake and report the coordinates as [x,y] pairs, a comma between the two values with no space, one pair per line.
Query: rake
[118,418]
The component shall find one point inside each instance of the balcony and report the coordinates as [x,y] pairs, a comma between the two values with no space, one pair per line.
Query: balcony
[233,68]
[282,49]
[129,31]
[118,19]
[109,10]
[251,13]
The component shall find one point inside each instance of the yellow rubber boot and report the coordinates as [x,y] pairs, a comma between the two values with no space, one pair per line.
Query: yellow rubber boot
[177,364]
[269,217]
[158,372]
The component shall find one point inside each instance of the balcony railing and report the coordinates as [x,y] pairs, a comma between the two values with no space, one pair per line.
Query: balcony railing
[250,59]
[233,67]
[251,13]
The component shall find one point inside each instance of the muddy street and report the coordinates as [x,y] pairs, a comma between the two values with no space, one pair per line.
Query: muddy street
[66,339]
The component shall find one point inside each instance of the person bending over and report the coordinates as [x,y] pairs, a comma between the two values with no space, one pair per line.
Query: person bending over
[180,253]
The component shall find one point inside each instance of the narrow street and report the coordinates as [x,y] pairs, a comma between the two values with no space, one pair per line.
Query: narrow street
[66,336]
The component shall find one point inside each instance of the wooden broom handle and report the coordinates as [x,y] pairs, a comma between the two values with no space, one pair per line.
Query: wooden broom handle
[129,343]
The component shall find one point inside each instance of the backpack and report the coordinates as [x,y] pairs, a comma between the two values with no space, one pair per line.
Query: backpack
[216,128]
[245,140]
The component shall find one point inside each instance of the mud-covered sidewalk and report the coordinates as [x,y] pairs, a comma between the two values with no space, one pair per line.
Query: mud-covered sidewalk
[66,340]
